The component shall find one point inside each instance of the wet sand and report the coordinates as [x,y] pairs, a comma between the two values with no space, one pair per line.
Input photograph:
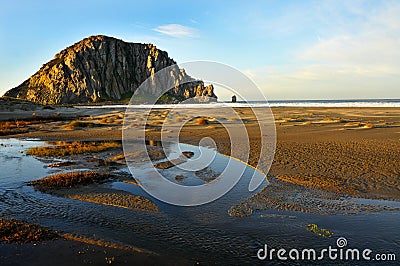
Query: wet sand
[347,151]
[23,243]
[325,157]
[72,252]
[110,197]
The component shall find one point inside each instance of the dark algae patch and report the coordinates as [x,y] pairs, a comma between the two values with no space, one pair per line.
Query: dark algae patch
[14,231]
[70,179]
[62,148]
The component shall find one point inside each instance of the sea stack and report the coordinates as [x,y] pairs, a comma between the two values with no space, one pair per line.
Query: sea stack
[101,68]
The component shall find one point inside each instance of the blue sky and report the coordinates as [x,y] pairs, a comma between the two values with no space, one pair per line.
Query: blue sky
[291,49]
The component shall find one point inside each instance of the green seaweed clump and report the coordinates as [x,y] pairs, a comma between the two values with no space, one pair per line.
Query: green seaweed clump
[318,231]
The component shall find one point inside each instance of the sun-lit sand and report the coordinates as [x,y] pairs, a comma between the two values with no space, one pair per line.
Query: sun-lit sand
[317,148]
[326,158]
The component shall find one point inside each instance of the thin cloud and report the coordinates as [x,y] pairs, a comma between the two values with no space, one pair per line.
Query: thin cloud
[176,30]
[325,82]
[369,47]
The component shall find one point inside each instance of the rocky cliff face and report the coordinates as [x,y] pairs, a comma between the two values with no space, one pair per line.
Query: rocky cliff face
[101,68]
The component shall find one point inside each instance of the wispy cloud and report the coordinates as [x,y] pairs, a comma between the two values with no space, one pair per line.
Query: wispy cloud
[357,56]
[326,81]
[176,30]
[368,48]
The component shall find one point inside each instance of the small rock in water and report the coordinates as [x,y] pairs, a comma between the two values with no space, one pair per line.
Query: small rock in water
[188,154]
[179,178]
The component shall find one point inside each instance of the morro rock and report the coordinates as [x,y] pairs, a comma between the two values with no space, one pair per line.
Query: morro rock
[101,68]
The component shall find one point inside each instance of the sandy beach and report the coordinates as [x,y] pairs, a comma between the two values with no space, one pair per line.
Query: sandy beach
[345,151]
[200,133]
[325,158]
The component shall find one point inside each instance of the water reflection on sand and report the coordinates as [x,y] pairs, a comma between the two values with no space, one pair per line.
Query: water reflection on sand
[204,232]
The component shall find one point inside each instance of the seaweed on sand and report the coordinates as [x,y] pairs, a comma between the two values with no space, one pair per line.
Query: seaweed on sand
[70,179]
[14,231]
[62,148]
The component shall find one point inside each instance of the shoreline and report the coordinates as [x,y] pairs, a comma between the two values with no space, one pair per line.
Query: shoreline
[302,127]
[322,154]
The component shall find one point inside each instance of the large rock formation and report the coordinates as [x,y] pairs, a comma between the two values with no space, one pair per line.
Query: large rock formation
[101,68]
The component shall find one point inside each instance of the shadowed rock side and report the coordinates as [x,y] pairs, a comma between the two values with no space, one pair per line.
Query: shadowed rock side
[101,68]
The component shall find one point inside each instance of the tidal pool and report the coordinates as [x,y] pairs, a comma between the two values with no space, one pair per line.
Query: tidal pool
[205,233]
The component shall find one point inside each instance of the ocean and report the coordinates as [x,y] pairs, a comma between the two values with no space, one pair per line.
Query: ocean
[273,103]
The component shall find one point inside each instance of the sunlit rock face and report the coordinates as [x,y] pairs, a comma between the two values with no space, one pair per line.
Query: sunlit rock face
[101,68]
